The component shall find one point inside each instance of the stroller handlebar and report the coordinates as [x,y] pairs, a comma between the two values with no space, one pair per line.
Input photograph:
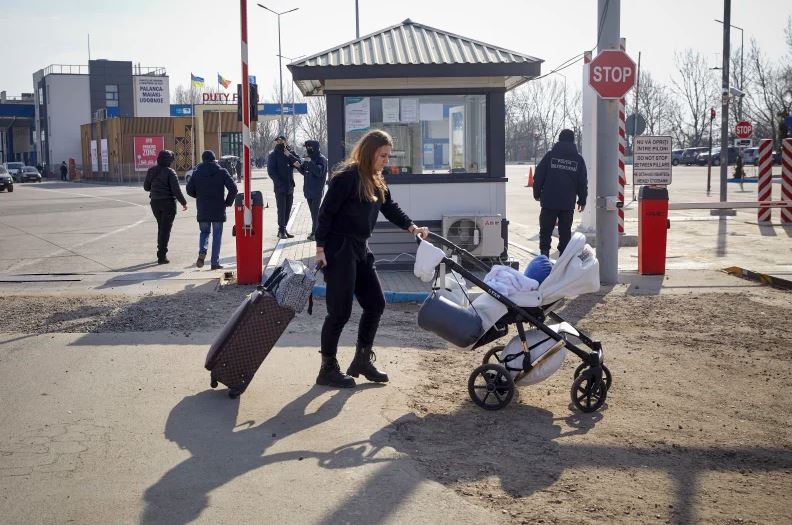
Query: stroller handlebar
[439,239]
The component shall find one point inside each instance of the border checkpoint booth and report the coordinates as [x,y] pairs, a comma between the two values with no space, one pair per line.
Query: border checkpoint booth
[441,97]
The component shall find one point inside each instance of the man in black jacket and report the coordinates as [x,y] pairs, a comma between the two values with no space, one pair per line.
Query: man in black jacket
[207,185]
[560,177]
[314,168]
[280,168]
[163,187]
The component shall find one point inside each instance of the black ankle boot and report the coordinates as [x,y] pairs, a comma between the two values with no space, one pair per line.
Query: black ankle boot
[330,374]
[363,363]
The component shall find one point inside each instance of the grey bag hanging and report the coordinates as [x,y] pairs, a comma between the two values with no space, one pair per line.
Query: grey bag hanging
[457,325]
[291,284]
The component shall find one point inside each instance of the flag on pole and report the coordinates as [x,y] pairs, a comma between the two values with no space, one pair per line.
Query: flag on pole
[197,81]
[223,81]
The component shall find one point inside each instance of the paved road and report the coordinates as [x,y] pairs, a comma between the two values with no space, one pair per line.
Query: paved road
[58,227]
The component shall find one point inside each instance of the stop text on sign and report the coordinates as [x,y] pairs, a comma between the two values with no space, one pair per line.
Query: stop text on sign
[612,74]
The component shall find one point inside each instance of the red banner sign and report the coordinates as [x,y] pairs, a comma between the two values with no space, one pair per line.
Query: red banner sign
[146,151]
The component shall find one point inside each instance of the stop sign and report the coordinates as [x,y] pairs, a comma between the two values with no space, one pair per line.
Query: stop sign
[743,130]
[612,74]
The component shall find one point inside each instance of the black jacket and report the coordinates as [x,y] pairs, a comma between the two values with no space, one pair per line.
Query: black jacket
[207,185]
[343,213]
[163,184]
[280,169]
[314,168]
[560,177]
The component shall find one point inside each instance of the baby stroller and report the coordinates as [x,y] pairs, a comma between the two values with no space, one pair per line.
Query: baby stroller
[534,354]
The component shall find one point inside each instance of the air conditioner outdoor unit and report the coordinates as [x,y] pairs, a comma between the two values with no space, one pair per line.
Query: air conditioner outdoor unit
[478,234]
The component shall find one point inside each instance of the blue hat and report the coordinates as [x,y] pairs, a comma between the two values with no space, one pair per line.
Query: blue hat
[539,268]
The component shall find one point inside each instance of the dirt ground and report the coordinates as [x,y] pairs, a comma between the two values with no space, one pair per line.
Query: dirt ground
[695,427]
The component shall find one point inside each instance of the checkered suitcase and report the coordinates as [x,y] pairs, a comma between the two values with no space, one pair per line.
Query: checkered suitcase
[246,340]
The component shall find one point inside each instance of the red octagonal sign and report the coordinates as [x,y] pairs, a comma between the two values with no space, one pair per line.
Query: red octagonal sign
[612,74]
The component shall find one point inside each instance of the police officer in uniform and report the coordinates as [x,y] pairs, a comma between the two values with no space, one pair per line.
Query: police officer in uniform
[560,179]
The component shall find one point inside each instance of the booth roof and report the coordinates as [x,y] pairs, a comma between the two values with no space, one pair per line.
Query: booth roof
[410,49]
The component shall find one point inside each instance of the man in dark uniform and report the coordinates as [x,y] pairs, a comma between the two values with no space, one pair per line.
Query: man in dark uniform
[280,168]
[314,167]
[560,178]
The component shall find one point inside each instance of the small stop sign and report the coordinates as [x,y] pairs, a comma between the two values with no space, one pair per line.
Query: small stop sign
[743,130]
[612,74]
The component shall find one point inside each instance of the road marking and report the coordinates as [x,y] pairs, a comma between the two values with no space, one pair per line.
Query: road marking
[63,250]
[91,196]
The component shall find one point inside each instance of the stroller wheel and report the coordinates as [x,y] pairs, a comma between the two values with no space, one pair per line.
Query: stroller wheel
[493,355]
[608,377]
[490,386]
[588,391]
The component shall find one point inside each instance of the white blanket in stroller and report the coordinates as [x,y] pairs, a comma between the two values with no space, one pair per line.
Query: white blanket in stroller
[575,272]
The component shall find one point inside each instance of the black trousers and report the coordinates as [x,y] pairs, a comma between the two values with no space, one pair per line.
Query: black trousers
[165,212]
[547,221]
[313,206]
[284,203]
[350,274]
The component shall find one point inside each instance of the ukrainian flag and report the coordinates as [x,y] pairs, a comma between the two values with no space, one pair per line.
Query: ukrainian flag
[224,82]
[197,81]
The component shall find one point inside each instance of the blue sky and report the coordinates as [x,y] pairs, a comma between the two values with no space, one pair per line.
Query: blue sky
[202,36]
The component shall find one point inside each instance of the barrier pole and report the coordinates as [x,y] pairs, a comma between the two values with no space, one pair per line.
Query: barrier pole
[765,181]
[786,180]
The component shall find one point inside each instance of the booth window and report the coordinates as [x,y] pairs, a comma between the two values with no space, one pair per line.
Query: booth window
[431,133]
[111,95]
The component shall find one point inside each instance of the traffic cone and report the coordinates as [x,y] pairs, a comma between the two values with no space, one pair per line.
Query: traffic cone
[529,184]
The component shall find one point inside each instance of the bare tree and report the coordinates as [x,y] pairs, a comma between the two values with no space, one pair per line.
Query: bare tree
[313,126]
[769,98]
[654,104]
[697,91]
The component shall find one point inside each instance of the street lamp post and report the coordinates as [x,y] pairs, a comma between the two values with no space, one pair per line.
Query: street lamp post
[742,52]
[280,64]
[293,115]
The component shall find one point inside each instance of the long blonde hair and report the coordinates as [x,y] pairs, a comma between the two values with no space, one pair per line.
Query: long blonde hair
[371,184]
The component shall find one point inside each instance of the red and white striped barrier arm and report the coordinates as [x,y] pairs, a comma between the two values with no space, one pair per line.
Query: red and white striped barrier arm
[786,180]
[248,212]
[765,182]
[622,148]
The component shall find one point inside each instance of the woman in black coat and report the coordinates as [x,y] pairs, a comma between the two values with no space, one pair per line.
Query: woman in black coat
[163,187]
[356,195]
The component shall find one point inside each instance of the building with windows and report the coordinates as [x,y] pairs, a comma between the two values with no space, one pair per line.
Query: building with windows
[68,96]
[17,129]
[441,97]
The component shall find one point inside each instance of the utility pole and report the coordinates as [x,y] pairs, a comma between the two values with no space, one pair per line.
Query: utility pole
[724,151]
[609,14]
[357,20]
[280,62]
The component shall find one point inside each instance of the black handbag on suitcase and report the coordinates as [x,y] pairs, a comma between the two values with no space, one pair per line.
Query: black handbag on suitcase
[250,334]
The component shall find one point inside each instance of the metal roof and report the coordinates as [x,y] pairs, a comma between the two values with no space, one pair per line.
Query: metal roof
[414,49]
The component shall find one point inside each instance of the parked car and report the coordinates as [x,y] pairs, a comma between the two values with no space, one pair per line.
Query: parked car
[750,156]
[690,154]
[702,158]
[29,174]
[676,156]
[6,180]
[14,169]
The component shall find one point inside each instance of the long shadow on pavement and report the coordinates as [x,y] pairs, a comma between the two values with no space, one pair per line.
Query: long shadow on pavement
[205,425]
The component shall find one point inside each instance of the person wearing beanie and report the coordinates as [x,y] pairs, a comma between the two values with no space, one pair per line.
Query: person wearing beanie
[163,187]
[314,168]
[560,179]
[208,186]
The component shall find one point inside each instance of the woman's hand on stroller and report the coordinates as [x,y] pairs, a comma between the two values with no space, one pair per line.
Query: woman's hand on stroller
[321,260]
[420,231]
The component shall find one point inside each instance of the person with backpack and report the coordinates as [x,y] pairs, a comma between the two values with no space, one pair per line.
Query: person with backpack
[163,187]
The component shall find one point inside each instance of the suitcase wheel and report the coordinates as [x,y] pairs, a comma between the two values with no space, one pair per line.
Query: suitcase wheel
[233,394]
[213,383]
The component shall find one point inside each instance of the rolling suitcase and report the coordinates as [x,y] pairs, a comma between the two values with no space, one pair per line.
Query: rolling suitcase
[246,340]
[256,325]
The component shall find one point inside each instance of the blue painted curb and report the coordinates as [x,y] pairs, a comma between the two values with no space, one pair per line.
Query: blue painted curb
[390,297]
